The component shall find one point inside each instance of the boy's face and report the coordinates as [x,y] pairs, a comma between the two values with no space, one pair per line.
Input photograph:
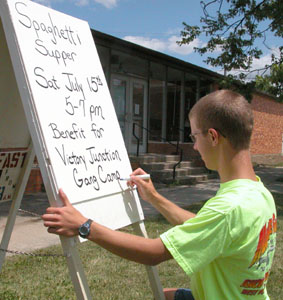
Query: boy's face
[203,145]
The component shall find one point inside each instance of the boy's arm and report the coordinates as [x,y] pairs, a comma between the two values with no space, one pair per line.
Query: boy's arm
[66,221]
[172,212]
[132,247]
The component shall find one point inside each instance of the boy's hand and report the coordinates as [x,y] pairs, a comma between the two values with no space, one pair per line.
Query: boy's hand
[64,220]
[145,187]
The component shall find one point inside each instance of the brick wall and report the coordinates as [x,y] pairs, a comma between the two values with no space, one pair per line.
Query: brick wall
[268,126]
[35,182]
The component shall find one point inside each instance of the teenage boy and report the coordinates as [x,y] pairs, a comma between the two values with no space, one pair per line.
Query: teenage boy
[228,247]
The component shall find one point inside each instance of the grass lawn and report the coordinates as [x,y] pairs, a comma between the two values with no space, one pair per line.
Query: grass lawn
[109,277]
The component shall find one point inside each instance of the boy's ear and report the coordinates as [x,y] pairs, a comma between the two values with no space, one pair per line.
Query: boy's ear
[214,136]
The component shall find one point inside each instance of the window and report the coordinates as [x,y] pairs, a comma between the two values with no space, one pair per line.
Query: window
[173,104]
[124,63]
[156,98]
[103,53]
[190,100]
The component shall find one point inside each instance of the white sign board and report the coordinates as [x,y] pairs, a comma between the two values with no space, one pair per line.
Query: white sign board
[83,144]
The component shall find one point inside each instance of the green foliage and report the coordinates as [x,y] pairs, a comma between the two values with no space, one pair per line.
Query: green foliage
[273,83]
[236,27]
[244,88]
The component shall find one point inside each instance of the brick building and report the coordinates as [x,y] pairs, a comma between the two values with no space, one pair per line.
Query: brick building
[267,138]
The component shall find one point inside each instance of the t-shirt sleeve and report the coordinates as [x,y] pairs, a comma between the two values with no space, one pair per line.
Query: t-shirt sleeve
[198,241]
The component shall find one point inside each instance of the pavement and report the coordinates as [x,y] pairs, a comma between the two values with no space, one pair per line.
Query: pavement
[29,234]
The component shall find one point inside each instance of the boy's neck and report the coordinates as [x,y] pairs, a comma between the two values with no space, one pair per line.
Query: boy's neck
[236,165]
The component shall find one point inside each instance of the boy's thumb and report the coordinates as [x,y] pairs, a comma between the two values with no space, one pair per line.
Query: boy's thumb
[64,198]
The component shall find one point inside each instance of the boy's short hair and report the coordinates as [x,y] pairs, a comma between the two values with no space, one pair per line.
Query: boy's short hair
[227,112]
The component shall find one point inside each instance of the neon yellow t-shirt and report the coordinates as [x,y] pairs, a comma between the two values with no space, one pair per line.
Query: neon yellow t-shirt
[228,248]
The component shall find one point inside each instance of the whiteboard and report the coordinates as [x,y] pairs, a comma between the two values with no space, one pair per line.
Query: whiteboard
[73,113]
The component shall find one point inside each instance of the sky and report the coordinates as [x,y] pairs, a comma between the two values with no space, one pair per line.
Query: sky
[155,24]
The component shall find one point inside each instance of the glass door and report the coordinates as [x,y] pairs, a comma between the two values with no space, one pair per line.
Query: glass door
[139,115]
[119,98]
[129,97]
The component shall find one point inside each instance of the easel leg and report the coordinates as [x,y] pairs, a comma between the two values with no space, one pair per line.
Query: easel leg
[152,272]
[17,199]
[75,268]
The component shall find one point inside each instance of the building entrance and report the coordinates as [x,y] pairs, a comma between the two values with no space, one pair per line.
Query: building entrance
[129,96]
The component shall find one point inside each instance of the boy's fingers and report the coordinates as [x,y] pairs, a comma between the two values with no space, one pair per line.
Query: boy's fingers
[139,181]
[138,171]
[49,223]
[49,217]
[52,230]
[64,198]
[52,210]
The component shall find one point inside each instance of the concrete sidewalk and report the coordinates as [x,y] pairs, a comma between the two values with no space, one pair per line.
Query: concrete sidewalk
[29,233]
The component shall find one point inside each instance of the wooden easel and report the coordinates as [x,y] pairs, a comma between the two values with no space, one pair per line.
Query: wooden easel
[17,65]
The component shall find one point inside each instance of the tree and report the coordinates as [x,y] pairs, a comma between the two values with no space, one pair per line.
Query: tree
[234,29]
[272,83]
